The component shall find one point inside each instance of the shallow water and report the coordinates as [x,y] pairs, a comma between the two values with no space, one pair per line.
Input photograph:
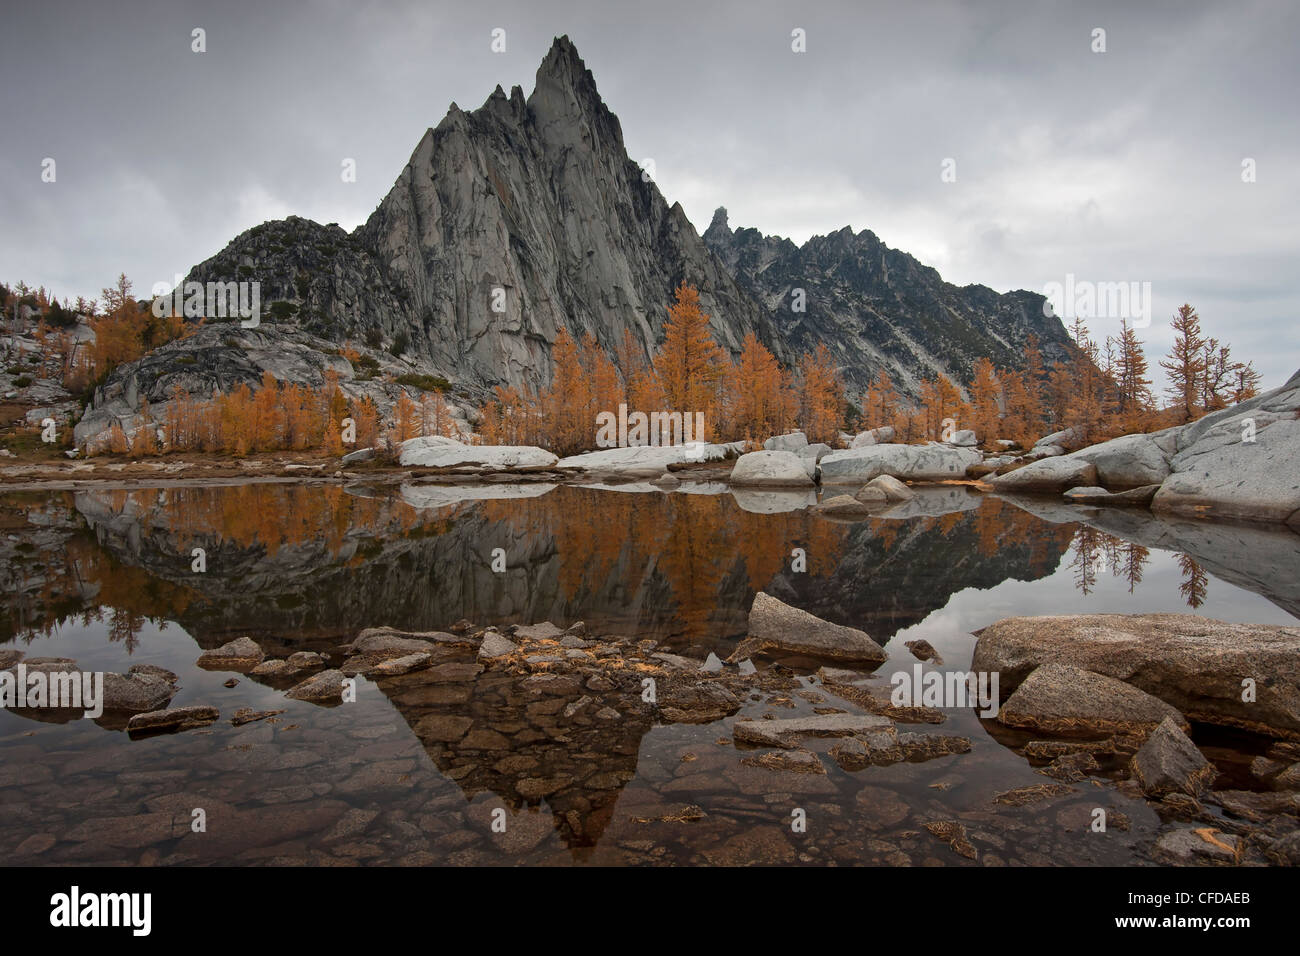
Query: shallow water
[105,577]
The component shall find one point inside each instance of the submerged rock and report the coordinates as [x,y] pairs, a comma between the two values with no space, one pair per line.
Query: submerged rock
[1285,850]
[177,718]
[876,698]
[792,761]
[776,627]
[914,748]
[246,715]
[1046,751]
[1133,498]
[1034,793]
[1288,779]
[953,833]
[700,703]
[786,733]
[138,690]
[1071,767]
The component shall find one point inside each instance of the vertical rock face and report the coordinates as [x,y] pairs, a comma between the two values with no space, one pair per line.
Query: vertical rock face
[526,215]
[878,308]
[507,223]
[537,199]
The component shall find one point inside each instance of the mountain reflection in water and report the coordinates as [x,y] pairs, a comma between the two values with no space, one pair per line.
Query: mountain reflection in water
[318,561]
[410,773]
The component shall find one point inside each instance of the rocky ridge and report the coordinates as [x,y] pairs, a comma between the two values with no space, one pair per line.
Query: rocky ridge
[525,215]
[878,308]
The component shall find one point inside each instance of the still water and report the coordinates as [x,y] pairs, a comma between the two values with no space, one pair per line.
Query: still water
[430,767]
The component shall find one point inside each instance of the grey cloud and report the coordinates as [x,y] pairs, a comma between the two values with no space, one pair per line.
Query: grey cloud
[1122,165]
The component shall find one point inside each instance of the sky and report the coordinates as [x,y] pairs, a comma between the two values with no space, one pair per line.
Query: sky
[993,141]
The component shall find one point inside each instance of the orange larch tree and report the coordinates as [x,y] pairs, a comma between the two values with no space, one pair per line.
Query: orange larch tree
[606,389]
[756,406]
[1185,364]
[986,413]
[267,418]
[1132,386]
[568,417]
[690,364]
[365,415]
[881,402]
[406,421]
[821,396]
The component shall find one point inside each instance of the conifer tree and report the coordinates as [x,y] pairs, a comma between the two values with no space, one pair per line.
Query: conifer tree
[821,396]
[754,387]
[985,411]
[689,364]
[1133,387]
[881,402]
[569,420]
[1185,364]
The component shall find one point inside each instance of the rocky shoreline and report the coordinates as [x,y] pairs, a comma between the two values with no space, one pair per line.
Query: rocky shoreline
[1238,464]
[543,716]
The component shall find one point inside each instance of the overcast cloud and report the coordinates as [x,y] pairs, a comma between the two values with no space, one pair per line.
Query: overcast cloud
[1123,165]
